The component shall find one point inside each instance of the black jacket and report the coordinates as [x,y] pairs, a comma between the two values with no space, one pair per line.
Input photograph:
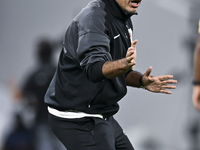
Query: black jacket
[99,33]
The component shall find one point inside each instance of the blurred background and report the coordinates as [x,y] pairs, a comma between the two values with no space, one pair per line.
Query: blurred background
[30,42]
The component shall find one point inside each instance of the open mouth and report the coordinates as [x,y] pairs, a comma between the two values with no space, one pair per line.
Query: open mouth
[135,3]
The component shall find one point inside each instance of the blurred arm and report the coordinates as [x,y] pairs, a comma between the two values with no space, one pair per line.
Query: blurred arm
[196,87]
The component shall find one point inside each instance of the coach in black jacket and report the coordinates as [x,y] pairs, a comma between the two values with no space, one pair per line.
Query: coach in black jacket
[94,68]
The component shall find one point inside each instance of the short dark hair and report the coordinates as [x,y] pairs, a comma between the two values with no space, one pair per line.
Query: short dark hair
[44,51]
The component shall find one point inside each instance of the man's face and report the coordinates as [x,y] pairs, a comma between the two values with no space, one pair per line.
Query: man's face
[129,6]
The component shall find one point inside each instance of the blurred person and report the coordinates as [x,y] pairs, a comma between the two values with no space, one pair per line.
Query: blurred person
[38,80]
[34,88]
[32,93]
[195,126]
[20,138]
[94,69]
[192,41]
[196,82]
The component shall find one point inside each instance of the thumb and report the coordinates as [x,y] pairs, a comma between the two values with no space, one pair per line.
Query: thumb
[148,72]
[133,44]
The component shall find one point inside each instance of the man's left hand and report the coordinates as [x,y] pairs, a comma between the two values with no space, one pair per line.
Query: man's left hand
[158,84]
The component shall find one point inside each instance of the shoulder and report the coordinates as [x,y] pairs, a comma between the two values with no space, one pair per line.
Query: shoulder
[92,18]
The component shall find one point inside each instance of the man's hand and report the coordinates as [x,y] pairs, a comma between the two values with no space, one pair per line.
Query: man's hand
[196,96]
[132,54]
[158,84]
[112,69]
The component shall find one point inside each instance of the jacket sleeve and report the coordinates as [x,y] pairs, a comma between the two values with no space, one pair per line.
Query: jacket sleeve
[93,47]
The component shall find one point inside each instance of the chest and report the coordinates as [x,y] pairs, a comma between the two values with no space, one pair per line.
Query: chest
[120,34]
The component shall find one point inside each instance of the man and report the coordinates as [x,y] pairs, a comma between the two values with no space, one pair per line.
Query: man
[94,68]
[196,87]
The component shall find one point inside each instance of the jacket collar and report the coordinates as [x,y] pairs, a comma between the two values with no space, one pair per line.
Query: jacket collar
[116,10]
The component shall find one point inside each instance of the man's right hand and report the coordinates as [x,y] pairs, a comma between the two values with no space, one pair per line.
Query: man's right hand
[112,69]
[132,54]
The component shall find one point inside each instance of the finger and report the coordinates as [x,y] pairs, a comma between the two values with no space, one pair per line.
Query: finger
[168,87]
[133,60]
[129,59]
[165,92]
[169,82]
[130,49]
[148,72]
[131,63]
[129,53]
[165,77]
[133,44]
